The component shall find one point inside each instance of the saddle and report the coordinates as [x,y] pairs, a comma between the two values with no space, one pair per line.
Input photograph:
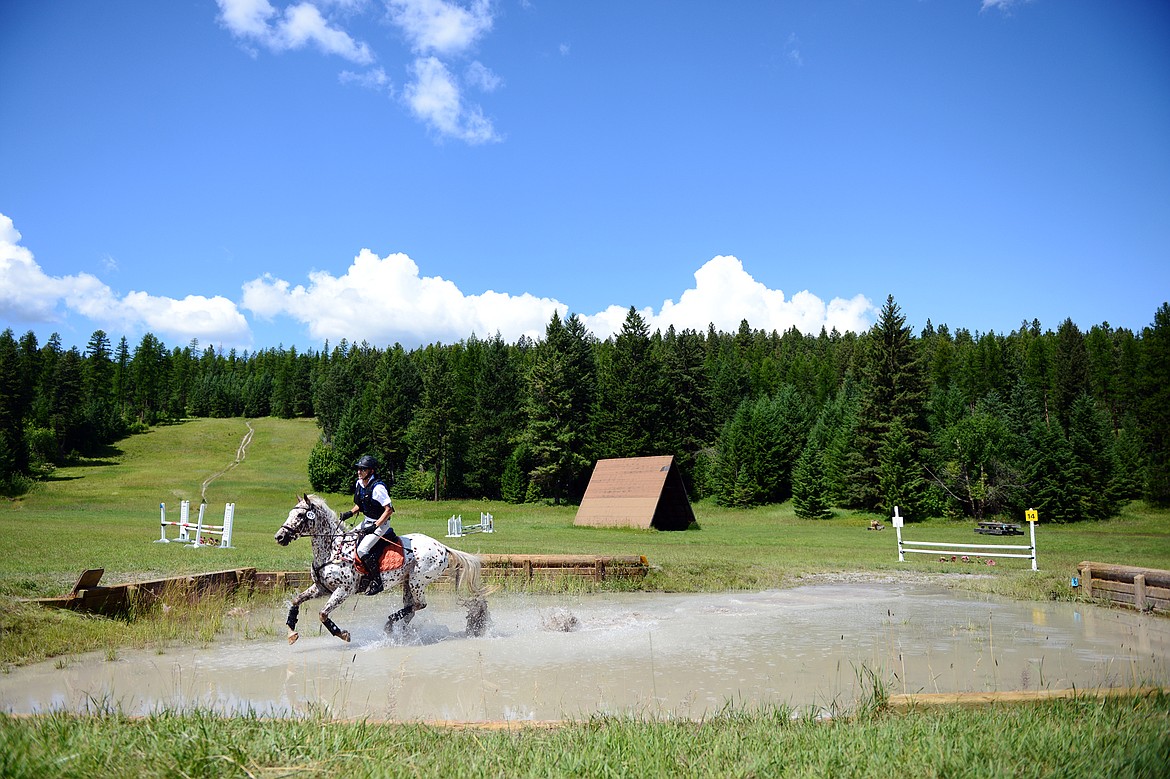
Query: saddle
[390,558]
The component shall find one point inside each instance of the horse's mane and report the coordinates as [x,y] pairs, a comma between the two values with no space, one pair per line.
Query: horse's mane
[317,500]
[330,514]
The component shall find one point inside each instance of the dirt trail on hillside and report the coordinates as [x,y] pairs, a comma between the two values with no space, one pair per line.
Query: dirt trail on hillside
[241,453]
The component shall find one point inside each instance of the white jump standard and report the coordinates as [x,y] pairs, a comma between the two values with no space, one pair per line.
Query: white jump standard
[456,528]
[224,531]
[944,548]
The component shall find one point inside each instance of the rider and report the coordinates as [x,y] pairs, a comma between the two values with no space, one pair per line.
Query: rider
[372,499]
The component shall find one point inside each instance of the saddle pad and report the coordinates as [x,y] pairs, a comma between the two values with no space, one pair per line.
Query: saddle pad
[392,559]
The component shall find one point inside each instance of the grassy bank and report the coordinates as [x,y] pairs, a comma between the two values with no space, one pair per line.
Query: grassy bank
[1073,738]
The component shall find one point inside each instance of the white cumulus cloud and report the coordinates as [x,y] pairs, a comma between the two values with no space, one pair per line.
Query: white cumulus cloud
[385,300]
[725,294]
[1005,6]
[258,21]
[438,33]
[435,97]
[35,297]
[440,27]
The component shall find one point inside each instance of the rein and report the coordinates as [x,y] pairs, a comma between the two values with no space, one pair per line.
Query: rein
[299,534]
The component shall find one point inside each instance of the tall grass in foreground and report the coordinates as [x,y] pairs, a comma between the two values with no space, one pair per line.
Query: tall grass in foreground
[1066,738]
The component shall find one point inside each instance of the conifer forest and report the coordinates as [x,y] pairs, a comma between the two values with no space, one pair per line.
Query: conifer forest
[940,422]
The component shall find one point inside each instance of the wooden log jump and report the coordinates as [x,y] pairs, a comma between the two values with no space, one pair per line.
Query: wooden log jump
[537,566]
[89,597]
[1145,589]
[527,566]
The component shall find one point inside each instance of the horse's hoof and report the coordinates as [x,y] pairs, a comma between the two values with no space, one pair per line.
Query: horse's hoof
[292,638]
[344,636]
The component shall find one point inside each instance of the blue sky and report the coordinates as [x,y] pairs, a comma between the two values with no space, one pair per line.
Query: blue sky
[255,173]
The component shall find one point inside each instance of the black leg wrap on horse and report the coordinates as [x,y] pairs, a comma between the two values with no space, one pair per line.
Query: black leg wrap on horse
[294,611]
[331,626]
[404,613]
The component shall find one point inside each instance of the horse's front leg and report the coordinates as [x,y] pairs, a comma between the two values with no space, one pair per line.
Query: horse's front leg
[336,599]
[294,611]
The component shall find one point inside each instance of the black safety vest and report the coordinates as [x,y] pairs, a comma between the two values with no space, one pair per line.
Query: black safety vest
[363,497]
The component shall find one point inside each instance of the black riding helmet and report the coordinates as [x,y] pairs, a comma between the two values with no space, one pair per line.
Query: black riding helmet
[367,461]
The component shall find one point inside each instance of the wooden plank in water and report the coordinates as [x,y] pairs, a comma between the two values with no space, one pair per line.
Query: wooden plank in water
[912,700]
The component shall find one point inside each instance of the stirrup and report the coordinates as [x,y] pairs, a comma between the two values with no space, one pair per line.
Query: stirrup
[376,585]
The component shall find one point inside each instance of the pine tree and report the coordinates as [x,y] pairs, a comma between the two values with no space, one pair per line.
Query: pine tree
[810,494]
[686,427]
[892,390]
[560,397]
[495,418]
[14,458]
[433,425]
[628,412]
[1094,461]
[1070,370]
[65,404]
[1131,463]
[1155,405]
[900,474]
[513,486]
[1048,477]
[758,448]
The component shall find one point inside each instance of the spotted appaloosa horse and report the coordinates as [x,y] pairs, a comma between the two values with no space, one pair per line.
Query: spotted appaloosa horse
[333,568]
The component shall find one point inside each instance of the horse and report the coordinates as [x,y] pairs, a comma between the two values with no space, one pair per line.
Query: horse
[334,572]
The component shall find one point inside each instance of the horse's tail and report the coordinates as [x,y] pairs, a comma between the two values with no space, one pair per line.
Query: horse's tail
[468,570]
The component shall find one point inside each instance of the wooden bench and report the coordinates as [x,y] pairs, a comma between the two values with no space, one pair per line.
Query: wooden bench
[999,529]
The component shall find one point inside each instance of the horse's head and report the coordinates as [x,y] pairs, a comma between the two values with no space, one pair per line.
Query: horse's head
[300,521]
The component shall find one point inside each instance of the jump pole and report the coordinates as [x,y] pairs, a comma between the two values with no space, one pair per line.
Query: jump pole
[932,547]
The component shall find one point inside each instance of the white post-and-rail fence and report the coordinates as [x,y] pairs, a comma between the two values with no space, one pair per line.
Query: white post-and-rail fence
[456,528]
[943,548]
[200,529]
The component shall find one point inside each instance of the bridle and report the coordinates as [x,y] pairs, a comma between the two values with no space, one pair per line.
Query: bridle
[308,517]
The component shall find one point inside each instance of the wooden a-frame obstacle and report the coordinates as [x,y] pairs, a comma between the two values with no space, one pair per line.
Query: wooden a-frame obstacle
[645,492]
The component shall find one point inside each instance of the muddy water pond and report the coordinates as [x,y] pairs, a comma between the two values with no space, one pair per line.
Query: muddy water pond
[815,648]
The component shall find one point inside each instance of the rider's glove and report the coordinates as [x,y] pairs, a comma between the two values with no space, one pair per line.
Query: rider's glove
[346,515]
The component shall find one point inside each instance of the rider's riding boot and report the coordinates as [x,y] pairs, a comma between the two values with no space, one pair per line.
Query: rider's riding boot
[370,561]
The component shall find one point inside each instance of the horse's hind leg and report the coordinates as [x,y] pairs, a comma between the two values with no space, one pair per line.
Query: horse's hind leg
[404,614]
[410,604]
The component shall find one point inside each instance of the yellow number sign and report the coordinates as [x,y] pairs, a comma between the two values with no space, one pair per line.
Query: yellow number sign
[1032,515]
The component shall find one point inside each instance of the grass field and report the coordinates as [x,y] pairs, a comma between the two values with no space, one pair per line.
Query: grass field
[105,513]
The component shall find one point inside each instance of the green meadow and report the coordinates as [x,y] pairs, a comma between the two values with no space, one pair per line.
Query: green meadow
[104,513]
